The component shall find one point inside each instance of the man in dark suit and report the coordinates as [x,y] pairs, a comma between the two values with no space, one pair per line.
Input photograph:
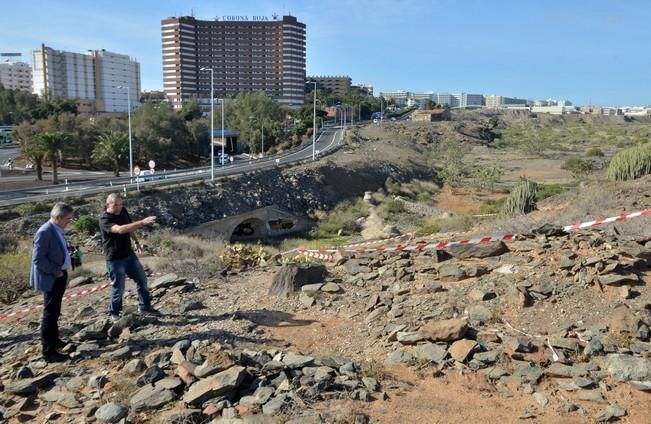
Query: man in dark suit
[50,262]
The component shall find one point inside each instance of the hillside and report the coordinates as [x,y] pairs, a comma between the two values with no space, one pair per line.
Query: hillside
[548,327]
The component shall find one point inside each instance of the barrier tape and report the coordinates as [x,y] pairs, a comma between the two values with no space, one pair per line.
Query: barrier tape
[317,255]
[66,298]
[618,218]
[480,240]
[347,247]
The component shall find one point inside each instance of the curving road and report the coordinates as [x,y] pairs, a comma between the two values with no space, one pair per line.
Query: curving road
[327,141]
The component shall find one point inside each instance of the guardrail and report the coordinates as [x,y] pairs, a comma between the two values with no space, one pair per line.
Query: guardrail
[169,178]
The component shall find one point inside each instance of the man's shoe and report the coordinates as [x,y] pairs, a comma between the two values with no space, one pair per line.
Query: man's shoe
[114,318]
[149,311]
[55,357]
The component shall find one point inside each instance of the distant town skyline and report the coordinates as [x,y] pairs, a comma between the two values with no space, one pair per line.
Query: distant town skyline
[587,52]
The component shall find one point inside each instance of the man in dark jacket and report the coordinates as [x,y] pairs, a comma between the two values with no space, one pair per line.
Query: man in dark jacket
[117,230]
[48,273]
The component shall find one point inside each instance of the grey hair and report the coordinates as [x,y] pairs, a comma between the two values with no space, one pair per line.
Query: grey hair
[112,197]
[60,210]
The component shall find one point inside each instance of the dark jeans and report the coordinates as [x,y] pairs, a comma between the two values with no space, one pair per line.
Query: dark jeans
[51,313]
[118,270]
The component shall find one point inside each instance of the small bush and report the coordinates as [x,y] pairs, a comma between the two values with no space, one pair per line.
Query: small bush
[577,166]
[594,152]
[630,163]
[8,215]
[86,225]
[522,198]
[433,225]
[548,190]
[33,208]
[427,226]
[243,256]
[392,186]
[492,206]
[343,218]
[8,243]
[14,276]
[390,208]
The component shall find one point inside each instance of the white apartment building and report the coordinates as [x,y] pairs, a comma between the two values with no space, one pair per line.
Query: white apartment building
[114,70]
[399,97]
[16,75]
[93,77]
[495,102]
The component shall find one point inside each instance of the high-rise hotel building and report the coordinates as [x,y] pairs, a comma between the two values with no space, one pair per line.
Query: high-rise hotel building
[245,54]
[92,78]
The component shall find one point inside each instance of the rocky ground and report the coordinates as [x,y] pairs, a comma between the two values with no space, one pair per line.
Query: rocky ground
[554,325]
[548,328]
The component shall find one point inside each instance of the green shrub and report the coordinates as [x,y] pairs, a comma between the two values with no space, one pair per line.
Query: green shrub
[14,276]
[492,206]
[594,152]
[8,215]
[390,208]
[342,218]
[577,166]
[86,224]
[548,190]
[522,198]
[33,208]
[427,226]
[392,186]
[8,243]
[630,163]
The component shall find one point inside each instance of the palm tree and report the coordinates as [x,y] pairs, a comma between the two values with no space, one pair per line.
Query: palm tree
[112,147]
[52,144]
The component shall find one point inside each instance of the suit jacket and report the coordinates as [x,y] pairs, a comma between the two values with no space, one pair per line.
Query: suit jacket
[48,256]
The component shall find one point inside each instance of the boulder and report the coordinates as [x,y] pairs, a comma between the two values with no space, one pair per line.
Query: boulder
[292,277]
[482,250]
[444,330]
[216,385]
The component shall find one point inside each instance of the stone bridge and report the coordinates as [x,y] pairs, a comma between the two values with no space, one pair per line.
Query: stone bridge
[270,221]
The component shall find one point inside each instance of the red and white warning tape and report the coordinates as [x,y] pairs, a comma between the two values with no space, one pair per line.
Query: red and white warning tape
[66,298]
[317,255]
[323,254]
[618,218]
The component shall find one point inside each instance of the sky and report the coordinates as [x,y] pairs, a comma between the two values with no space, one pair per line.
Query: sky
[586,51]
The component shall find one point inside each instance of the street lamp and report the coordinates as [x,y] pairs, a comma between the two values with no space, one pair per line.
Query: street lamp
[212,125]
[129,115]
[314,124]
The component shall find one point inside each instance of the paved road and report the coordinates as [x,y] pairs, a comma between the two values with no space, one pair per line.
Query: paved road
[327,141]
[8,153]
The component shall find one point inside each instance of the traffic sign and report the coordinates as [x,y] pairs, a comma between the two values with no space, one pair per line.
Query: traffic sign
[136,171]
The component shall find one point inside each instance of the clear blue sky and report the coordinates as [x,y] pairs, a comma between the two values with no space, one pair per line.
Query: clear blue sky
[580,50]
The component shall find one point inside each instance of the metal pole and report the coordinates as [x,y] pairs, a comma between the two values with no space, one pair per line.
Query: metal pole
[223,139]
[381,110]
[314,125]
[212,127]
[130,145]
[262,130]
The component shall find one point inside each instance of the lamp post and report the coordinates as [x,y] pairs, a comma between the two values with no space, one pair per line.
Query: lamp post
[314,124]
[212,125]
[129,115]
[223,139]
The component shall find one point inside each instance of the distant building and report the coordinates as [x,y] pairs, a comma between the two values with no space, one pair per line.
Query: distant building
[398,97]
[91,78]
[246,54]
[366,87]
[419,99]
[554,110]
[431,115]
[16,75]
[339,85]
[458,99]
[496,102]
[447,99]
